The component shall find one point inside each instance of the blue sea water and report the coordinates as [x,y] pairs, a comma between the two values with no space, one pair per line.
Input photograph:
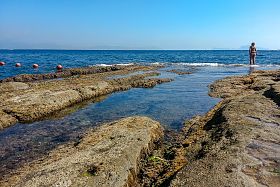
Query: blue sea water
[48,59]
[169,103]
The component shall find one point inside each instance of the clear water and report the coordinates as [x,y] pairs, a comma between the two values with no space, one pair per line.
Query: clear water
[170,103]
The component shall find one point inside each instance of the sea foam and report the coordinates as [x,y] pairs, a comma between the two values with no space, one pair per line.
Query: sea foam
[121,64]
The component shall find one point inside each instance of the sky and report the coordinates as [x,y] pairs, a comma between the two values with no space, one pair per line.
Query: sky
[139,24]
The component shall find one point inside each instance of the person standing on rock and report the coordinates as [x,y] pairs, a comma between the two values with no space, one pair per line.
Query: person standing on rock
[252,53]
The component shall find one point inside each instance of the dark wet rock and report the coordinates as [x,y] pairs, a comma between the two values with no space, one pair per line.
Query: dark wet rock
[107,156]
[238,142]
[180,72]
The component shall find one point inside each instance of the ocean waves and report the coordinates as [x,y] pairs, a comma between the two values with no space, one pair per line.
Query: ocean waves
[49,59]
[214,64]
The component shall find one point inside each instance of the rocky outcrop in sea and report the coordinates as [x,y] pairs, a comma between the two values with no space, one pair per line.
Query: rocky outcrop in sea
[23,99]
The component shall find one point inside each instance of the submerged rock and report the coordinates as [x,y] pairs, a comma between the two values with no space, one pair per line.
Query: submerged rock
[107,156]
[180,72]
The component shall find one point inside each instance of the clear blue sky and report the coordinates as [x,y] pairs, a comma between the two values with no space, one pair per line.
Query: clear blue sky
[139,24]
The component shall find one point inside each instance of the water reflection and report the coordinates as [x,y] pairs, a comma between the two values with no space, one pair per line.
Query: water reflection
[251,69]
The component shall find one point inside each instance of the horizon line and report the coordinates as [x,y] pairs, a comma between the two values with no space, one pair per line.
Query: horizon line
[57,49]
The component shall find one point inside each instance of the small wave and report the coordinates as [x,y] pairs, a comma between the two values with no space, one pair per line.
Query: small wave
[243,65]
[272,65]
[194,64]
[201,64]
[106,65]
[129,64]
[198,64]
[156,63]
[103,65]
[256,65]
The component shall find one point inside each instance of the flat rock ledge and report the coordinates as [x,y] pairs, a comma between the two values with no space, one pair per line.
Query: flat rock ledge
[237,143]
[69,72]
[108,156]
[28,101]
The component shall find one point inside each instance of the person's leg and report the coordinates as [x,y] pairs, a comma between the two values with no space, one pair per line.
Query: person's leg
[254,59]
[250,59]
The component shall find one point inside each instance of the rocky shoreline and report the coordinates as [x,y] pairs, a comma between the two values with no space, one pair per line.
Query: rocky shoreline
[24,99]
[237,143]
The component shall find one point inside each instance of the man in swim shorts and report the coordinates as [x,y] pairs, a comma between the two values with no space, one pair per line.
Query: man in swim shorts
[252,53]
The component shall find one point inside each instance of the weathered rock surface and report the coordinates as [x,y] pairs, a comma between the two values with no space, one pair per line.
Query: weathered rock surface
[238,142]
[23,102]
[107,156]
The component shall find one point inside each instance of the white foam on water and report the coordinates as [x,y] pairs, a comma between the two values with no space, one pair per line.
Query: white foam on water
[198,64]
[129,64]
[226,65]
[255,65]
[272,65]
[157,63]
[241,65]
[121,64]
[103,65]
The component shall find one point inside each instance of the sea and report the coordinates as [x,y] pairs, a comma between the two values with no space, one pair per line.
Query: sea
[48,59]
[169,103]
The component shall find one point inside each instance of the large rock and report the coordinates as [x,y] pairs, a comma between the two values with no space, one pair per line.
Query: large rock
[108,156]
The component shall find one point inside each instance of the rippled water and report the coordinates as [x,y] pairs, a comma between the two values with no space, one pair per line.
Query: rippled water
[170,103]
[48,59]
